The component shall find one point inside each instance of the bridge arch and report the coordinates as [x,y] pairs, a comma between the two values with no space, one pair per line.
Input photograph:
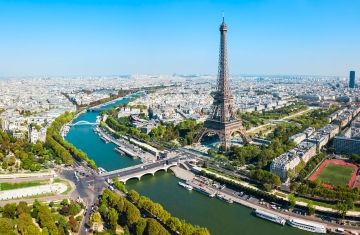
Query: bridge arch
[130,178]
[147,173]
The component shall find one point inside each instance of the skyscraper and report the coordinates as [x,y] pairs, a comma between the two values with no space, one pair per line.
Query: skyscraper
[352,79]
[222,119]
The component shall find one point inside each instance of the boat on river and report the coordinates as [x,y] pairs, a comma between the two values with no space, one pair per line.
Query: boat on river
[270,216]
[307,225]
[204,191]
[188,187]
[120,151]
[224,198]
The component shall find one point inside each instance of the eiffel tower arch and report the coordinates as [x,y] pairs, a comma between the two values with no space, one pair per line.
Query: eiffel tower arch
[222,119]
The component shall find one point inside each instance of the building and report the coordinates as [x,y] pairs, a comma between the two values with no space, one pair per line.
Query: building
[349,140]
[289,160]
[352,79]
[297,138]
[306,150]
[36,135]
[285,162]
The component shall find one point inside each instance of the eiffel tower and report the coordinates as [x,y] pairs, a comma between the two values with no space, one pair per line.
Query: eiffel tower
[222,119]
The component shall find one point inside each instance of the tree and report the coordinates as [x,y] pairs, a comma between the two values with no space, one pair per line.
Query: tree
[11,160]
[134,196]
[74,224]
[26,226]
[174,223]
[95,218]
[47,220]
[112,217]
[9,210]
[132,214]
[342,209]
[292,200]
[155,228]
[6,226]
[120,185]
[311,208]
[62,226]
[22,207]
[4,165]
[140,226]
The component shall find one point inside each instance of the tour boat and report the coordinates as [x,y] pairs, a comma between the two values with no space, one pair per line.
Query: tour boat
[307,225]
[270,216]
[188,187]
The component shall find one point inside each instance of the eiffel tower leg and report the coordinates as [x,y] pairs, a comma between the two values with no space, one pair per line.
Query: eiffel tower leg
[200,135]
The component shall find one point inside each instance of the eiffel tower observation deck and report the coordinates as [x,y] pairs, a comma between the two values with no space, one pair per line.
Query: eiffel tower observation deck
[222,119]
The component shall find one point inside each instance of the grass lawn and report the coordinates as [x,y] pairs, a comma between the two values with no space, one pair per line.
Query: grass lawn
[8,186]
[336,175]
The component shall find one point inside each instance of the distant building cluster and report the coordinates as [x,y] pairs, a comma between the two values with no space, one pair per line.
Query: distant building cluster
[310,142]
[29,105]
[85,98]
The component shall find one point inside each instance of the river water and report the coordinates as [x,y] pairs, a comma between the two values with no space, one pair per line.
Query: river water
[219,217]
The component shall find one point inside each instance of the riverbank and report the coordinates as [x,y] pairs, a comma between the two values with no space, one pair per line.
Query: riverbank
[210,188]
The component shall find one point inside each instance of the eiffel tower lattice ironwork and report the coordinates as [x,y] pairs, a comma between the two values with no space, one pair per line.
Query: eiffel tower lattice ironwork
[222,119]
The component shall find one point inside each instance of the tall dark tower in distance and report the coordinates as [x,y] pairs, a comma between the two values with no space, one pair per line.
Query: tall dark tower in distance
[352,79]
[222,119]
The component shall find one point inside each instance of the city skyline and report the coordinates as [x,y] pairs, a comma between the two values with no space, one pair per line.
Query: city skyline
[65,38]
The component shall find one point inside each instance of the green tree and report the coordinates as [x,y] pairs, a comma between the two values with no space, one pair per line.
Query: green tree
[46,220]
[62,226]
[4,165]
[140,226]
[134,196]
[342,209]
[9,210]
[155,228]
[6,227]
[132,214]
[26,226]
[95,218]
[311,208]
[11,160]
[174,223]
[112,217]
[22,207]
[292,200]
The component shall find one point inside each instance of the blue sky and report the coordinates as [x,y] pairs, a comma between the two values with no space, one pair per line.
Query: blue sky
[103,37]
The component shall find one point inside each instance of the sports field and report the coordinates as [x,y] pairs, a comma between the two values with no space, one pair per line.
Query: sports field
[333,172]
[336,175]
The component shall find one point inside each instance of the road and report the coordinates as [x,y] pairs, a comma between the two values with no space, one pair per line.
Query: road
[88,188]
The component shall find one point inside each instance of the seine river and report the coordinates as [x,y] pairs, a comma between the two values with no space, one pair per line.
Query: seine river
[219,217]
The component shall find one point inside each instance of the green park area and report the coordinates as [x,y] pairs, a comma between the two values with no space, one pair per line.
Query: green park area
[336,175]
[9,186]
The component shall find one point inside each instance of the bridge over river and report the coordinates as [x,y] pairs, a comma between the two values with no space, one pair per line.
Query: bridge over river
[81,123]
[137,171]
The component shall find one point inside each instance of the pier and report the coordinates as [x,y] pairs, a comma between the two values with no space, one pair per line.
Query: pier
[127,148]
